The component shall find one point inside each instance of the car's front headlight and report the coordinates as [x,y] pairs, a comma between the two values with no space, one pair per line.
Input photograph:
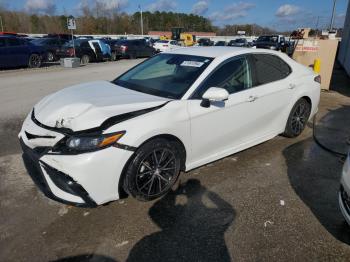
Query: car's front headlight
[273,47]
[88,143]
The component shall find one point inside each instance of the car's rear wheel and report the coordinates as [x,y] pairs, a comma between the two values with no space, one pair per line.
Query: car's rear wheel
[85,59]
[114,56]
[153,170]
[298,118]
[34,61]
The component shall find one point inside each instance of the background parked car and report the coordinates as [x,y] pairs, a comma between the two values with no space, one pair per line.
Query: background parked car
[273,42]
[205,42]
[83,50]
[51,47]
[220,43]
[132,49]
[15,52]
[165,45]
[240,42]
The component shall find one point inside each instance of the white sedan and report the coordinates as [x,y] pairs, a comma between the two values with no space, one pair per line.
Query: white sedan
[92,143]
[165,45]
[344,193]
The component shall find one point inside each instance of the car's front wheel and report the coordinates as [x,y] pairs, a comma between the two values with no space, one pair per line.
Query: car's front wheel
[298,118]
[153,170]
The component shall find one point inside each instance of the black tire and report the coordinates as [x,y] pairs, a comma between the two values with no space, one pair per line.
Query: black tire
[298,118]
[153,170]
[34,61]
[50,57]
[114,56]
[85,59]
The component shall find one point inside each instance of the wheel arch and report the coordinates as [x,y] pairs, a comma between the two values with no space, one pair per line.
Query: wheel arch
[169,137]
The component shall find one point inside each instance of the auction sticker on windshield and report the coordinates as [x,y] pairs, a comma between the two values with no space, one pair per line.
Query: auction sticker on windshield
[192,63]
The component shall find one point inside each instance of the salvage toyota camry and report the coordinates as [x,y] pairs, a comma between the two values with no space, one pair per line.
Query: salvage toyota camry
[92,143]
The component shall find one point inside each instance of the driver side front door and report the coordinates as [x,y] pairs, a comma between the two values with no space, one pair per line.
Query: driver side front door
[224,127]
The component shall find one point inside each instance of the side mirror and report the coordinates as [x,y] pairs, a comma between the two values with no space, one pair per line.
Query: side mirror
[214,94]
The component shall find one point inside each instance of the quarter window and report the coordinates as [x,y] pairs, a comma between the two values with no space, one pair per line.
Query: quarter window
[234,76]
[269,68]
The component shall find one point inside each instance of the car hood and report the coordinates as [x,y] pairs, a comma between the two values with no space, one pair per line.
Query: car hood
[88,105]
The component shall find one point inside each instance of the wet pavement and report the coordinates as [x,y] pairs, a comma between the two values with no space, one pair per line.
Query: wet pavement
[273,202]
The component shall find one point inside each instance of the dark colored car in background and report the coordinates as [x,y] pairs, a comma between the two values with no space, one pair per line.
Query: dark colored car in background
[83,50]
[220,43]
[16,52]
[205,42]
[51,45]
[273,42]
[240,42]
[132,48]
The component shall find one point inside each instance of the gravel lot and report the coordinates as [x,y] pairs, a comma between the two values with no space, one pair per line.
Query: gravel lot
[274,202]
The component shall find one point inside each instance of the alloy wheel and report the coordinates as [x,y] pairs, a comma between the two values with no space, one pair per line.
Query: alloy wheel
[299,118]
[156,172]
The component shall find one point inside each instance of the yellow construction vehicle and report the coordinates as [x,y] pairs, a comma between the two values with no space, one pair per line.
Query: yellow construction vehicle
[184,39]
[164,37]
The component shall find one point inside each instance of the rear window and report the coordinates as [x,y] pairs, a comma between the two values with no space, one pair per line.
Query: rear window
[269,68]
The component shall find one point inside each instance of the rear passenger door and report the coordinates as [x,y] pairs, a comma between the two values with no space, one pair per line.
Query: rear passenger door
[272,90]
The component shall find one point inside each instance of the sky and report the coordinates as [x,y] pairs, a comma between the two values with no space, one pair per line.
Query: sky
[276,14]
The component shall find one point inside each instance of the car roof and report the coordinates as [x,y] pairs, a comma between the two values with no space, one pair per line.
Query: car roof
[216,51]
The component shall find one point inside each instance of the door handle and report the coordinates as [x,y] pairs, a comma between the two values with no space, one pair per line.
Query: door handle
[252,98]
[292,86]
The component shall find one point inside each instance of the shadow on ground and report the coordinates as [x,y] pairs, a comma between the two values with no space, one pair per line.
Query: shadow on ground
[193,221]
[315,174]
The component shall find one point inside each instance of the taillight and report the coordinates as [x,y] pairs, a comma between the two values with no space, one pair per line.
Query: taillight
[70,51]
[123,48]
[318,79]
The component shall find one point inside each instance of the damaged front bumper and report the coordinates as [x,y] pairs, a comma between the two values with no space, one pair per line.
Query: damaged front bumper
[86,180]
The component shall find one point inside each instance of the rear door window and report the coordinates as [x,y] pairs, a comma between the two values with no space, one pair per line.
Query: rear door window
[269,68]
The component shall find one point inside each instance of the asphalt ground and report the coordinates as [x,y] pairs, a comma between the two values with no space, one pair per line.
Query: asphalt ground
[274,202]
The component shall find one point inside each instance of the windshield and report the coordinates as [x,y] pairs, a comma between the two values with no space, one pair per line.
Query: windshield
[268,38]
[240,40]
[165,75]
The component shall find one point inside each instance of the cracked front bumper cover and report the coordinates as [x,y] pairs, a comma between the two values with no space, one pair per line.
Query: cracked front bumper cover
[63,181]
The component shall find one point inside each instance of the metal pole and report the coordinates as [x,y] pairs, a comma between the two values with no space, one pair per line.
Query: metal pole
[73,42]
[333,13]
[141,21]
[2,26]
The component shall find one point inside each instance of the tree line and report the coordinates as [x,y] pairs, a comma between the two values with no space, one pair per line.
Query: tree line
[99,21]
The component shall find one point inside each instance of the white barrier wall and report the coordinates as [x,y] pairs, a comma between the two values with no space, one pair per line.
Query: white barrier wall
[212,38]
[344,50]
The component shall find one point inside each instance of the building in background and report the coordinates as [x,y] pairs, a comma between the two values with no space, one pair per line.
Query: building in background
[344,50]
